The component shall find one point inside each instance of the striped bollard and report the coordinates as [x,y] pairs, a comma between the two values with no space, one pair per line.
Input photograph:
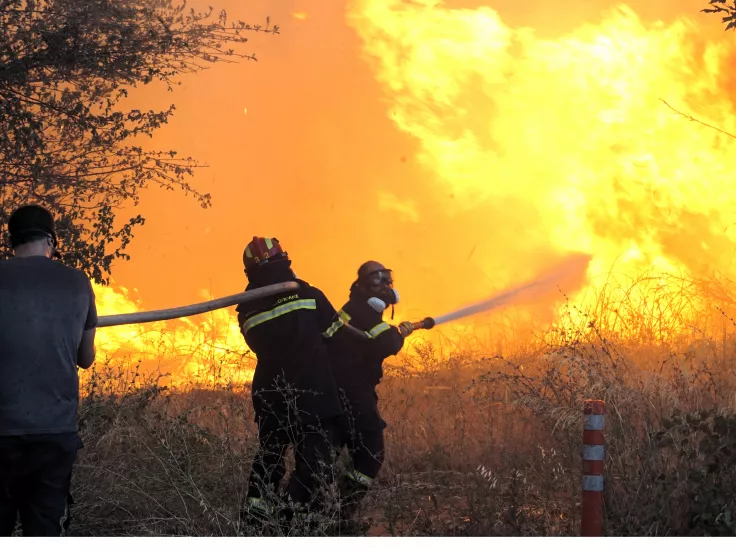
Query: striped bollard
[591,520]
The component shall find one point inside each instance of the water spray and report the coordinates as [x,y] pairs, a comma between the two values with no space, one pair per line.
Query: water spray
[570,272]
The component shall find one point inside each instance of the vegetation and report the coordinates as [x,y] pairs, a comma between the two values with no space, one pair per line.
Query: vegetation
[728,12]
[69,137]
[476,446]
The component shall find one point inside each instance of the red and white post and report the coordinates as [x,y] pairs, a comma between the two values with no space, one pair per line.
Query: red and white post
[594,451]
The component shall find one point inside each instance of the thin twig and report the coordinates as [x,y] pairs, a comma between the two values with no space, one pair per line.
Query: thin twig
[693,119]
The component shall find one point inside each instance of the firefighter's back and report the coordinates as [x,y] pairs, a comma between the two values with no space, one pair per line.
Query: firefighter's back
[285,333]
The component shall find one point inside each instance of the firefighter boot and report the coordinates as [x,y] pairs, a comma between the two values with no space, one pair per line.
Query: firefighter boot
[352,492]
[256,516]
[297,518]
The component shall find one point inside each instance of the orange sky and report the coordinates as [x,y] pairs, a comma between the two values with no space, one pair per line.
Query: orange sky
[317,161]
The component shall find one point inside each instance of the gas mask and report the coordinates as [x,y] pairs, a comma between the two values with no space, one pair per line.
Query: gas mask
[379,287]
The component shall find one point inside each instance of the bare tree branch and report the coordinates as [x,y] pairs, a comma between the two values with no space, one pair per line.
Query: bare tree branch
[693,119]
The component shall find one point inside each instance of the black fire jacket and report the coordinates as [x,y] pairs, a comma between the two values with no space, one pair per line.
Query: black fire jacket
[286,334]
[358,364]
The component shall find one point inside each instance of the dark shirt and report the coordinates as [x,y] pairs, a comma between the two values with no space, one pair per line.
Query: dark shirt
[45,307]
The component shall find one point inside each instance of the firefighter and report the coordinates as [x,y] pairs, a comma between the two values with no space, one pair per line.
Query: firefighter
[293,390]
[358,367]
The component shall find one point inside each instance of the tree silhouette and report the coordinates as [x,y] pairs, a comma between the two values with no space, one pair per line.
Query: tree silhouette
[66,142]
[728,11]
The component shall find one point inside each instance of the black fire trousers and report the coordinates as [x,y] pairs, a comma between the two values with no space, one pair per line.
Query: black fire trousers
[367,452]
[35,476]
[313,458]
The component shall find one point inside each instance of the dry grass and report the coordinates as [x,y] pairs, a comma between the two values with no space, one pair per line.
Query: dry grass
[475,446]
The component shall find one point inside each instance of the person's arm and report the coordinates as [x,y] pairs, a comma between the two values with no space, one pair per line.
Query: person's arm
[87,351]
[360,334]
[388,342]
[330,320]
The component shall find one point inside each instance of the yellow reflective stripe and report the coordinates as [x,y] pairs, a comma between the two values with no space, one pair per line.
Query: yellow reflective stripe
[375,331]
[361,478]
[258,504]
[336,325]
[269,243]
[286,308]
[345,316]
[248,253]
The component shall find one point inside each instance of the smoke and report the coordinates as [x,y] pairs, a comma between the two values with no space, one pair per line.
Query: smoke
[565,277]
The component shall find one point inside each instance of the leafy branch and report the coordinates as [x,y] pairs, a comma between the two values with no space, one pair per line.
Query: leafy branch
[721,6]
[66,141]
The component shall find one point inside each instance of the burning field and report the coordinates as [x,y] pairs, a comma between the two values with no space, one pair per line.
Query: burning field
[470,146]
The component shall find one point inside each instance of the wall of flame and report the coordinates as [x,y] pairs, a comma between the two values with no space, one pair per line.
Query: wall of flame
[465,144]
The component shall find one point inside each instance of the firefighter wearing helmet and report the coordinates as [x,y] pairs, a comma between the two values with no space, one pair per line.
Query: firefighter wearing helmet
[358,367]
[293,391]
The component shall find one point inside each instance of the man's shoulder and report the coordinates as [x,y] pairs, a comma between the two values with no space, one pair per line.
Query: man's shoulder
[254,306]
[308,291]
[42,266]
[74,274]
[70,269]
[359,307]
[250,308]
[362,314]
[304,291]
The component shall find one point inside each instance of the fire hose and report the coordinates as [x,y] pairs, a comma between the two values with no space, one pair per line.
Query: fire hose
[572,267]
[198,308]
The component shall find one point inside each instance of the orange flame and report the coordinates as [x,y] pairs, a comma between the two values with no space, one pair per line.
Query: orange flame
[203,350]
[569,132]
[498,149]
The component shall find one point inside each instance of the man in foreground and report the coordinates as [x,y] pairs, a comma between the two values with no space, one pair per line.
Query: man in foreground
[358,368]
[48,318]
[294,394]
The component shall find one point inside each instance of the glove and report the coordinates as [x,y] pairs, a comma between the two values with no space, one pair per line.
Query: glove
[406,328]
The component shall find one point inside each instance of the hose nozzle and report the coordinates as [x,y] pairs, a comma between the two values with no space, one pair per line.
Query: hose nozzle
[426,324]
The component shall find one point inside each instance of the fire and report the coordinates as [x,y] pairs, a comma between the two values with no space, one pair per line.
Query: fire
[205,349]
[570,132]
[501,149]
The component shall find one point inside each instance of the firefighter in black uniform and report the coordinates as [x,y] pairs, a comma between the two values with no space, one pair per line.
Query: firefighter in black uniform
[293,390]
[358,367]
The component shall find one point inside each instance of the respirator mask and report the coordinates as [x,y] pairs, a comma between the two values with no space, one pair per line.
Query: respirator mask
[379,285]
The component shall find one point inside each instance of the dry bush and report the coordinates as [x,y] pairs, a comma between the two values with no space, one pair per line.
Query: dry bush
[475,446]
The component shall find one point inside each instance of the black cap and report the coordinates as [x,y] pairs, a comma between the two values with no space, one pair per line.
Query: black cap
[29,222]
